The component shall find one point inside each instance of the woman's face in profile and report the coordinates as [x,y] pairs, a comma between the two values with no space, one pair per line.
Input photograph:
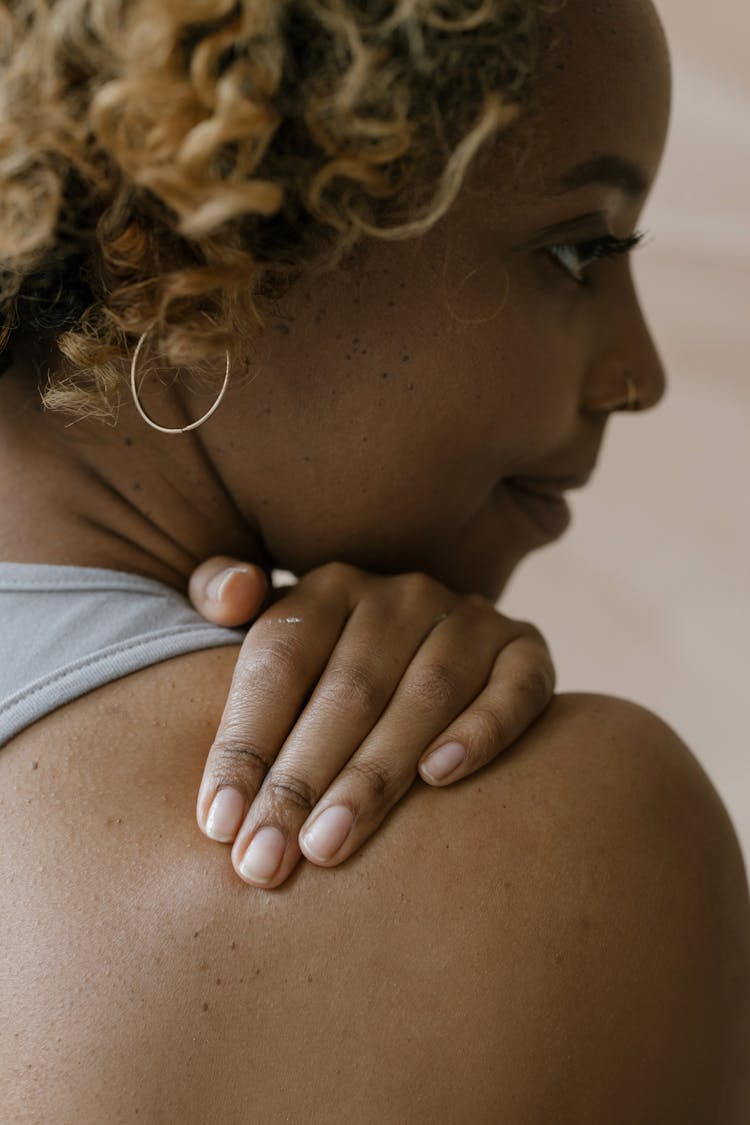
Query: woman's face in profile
[394,401]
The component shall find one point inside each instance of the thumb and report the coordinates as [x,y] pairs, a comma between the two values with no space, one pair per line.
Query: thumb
[226,591]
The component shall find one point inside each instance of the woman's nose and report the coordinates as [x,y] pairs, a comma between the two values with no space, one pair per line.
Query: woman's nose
[627,372]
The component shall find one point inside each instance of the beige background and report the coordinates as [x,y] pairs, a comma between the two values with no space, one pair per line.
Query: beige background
[648,595]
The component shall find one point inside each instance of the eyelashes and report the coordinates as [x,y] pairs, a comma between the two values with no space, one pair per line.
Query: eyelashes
[576,257]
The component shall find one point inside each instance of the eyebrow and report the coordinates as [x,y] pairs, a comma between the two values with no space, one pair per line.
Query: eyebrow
[613,171]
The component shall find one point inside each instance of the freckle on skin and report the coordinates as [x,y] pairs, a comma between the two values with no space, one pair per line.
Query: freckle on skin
[205,1006]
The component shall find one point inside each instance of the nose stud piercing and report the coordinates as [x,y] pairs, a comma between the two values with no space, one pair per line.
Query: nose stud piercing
[144,415]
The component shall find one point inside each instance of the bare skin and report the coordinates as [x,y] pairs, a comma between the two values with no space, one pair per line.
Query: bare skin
[561,940]
[566,937]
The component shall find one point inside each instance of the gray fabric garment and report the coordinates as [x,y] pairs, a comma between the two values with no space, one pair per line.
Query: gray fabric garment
[65,630]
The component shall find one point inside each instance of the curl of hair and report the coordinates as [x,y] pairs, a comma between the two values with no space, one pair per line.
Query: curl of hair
[176,164]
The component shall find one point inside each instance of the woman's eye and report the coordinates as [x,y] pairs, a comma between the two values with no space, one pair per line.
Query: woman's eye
[576,257]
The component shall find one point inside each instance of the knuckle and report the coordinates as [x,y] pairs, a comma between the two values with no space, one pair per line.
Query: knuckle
[334,574]
[235,759]
[491,728]
[436,687]
[478,601]
[416,586]
[286,788]
[533,633]
[536,684]
[380,784]
[278,658]
[350,687]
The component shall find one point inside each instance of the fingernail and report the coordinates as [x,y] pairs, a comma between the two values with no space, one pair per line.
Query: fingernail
[262,858]
[328,832]
[218,584]
[444,761]
[225,815]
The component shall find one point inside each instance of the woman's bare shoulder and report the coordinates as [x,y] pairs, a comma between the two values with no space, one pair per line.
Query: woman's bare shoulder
[554,903]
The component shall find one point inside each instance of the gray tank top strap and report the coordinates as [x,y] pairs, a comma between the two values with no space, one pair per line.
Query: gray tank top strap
[65,630]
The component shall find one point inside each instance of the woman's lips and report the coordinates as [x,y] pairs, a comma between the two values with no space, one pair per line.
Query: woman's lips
[543,502]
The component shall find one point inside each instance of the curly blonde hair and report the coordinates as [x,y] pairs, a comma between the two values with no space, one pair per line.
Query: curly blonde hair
[176,164]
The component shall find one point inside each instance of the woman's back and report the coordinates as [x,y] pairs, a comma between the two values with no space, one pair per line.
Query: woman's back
[559,938]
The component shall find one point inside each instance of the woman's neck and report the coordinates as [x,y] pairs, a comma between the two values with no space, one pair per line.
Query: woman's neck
[83,494]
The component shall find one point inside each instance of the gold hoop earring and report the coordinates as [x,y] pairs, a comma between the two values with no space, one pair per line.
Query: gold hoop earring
[144,415]
[633,402]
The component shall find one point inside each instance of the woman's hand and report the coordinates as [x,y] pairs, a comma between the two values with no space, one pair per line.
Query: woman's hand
[345,686]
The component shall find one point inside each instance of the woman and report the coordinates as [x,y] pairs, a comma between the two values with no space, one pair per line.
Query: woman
[566,938]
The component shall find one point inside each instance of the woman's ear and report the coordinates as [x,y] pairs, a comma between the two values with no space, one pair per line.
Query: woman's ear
[228,592]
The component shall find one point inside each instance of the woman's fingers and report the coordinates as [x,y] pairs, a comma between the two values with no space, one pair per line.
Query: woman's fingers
[342,689]
[341,795]
[227,592]
[438,684]
[353,674]
[281,659]
[521,686]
